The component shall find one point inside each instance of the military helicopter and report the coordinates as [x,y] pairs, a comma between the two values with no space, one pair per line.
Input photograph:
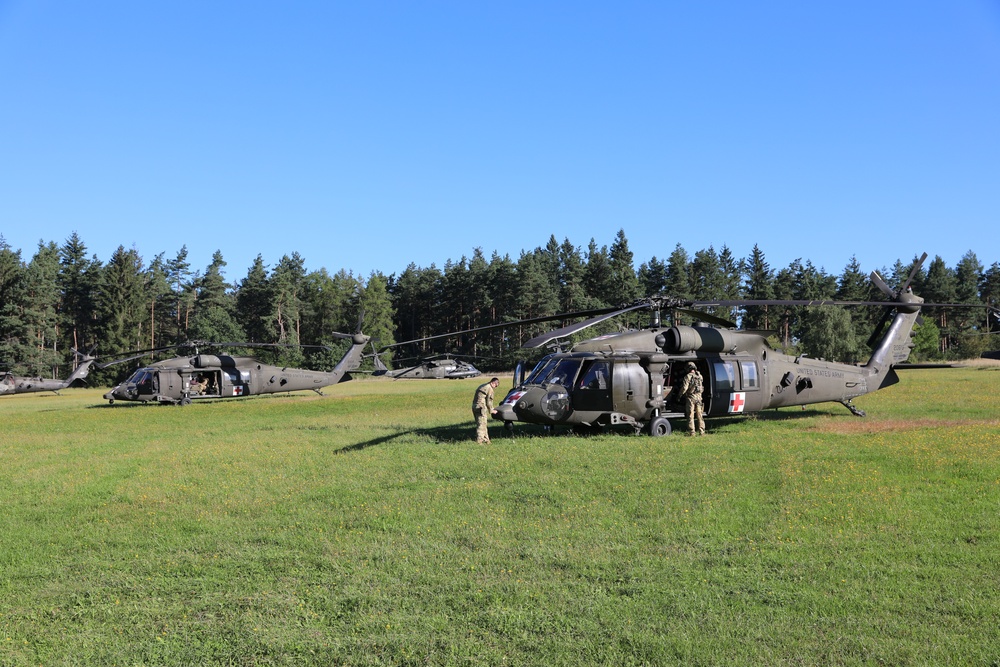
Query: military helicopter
[181,380]
[434,368]
[15,384]
[628,378]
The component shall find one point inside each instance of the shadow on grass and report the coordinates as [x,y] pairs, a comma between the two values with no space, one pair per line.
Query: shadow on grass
[207,400]
[466,431]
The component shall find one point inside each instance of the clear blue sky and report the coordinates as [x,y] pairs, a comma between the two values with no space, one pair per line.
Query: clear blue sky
[368,135]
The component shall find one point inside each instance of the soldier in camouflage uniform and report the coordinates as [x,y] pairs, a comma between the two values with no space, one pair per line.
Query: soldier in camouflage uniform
[690,390]
[482,408]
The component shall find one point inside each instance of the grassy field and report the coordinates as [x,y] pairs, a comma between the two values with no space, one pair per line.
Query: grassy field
[367,527]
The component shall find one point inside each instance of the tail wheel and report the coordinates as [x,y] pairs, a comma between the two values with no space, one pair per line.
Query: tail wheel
[660,427]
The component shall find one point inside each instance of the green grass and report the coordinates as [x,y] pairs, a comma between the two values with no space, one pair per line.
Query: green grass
[367,527]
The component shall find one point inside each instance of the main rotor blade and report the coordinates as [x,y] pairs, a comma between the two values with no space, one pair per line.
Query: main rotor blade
[566,331]
[882,285]
[913,272]
[511,323]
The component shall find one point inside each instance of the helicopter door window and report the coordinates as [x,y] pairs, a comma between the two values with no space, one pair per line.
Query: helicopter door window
[595,377]
[725,377]
[749,370]
[563,373]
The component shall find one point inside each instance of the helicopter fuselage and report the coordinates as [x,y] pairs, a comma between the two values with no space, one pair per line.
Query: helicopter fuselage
[631,377]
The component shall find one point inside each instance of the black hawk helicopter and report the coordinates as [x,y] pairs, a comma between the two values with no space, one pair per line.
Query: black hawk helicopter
[180,380]
[16,384]
[430,368]
[628,378]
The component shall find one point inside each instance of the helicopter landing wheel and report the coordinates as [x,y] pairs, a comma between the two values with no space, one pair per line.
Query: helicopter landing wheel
[184,401]
[660,427]
[508,427]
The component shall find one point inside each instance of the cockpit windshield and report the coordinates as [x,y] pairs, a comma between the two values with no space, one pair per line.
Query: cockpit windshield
[541,370]
[553,370]
[140,376]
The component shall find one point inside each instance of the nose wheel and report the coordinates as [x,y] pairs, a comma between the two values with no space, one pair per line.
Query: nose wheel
[659,427]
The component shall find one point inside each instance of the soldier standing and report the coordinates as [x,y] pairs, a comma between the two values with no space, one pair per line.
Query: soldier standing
[482,408]
[691,389]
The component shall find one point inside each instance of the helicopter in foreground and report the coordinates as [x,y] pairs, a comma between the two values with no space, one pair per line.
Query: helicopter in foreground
[181,380]
[430,368]
[16,384]
[628,378]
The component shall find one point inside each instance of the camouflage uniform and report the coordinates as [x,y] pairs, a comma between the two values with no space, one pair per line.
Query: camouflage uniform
[691,389]
[482,408]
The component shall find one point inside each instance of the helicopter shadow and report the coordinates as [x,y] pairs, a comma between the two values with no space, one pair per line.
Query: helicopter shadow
[779,415]
[440,434]
[452,433]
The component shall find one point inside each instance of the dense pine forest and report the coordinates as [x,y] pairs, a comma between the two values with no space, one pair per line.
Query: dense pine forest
[60,299]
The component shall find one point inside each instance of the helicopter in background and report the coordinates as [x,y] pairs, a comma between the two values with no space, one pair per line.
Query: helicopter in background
[628,378]
[430,368]
[17,384]
[183,379]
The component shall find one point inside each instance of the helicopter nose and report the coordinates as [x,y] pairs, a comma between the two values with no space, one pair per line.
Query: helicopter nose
[544,405]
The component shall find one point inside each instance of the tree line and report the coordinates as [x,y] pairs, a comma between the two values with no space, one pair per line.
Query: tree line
[61,300]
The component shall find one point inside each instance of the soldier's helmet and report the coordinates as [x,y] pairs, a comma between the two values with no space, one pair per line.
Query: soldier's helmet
[691,365]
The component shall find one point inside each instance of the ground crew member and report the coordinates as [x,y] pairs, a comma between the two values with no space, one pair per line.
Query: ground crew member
[691,388]
[482,408]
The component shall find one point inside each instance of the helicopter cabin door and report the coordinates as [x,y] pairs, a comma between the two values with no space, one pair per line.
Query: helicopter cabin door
[629,387]
[593,388]
[235,382]
[735,387]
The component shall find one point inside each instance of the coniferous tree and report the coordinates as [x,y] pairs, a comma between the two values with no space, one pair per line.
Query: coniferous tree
[759,287]
[121,302]
[538,296]
[572,294]
[458,306]
[479,300]
[78,279]
[160,304]
[40,311]
[327,309]
[853,285]
[179,277]
[989,291]
[13,330]
[416,294]
[940,288]
[375,302]
[213,318]
[968,322]
[598,279]
[732,273]
[621,262]
[706,275]
[787,285]
[286,283]
[652,276]
[678,282]
[504,297]
[253,303]
[548,261]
